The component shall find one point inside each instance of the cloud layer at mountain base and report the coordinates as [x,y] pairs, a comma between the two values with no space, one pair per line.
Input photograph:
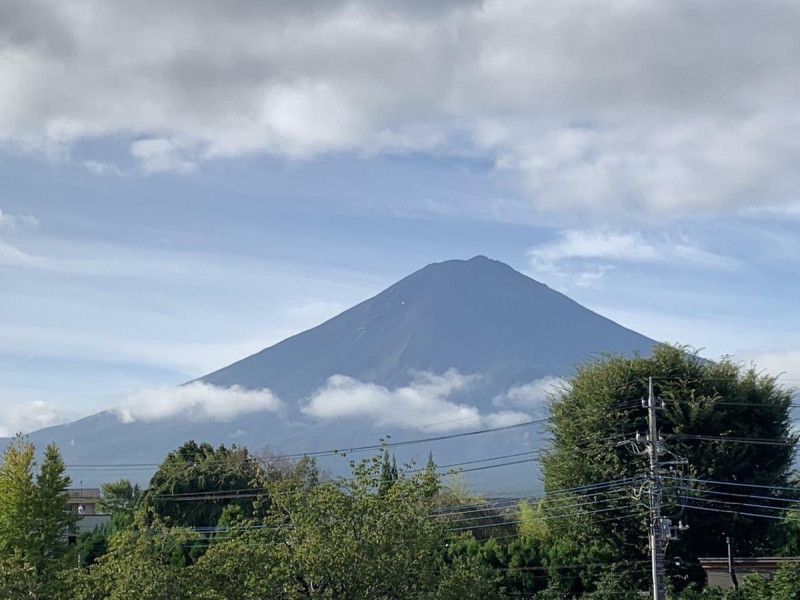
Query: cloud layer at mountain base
[196,401]
[29,416]
[423,404]
[529,396]
[636,108]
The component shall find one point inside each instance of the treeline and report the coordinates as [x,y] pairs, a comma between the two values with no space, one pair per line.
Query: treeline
[221,523]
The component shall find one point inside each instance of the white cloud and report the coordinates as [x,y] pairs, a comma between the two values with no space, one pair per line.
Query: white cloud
[769,339]
[102,168]
[30,416]
[423,404]
[162,155]
[581,257]
[528,395]
[17,221]
[635,107]
[197,401]
[10,255]
[784,363]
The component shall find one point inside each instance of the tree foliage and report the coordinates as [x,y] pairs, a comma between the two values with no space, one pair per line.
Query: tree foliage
[197,470]
[218,523]
[343,538]
[599,408]
[120,497]
[34,525]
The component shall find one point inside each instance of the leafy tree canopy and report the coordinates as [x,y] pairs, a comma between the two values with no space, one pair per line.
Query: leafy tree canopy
[34,523]
[599,410]
[182,492]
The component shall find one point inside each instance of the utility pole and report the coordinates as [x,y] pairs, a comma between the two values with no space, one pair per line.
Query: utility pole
[731,561]
[657,523]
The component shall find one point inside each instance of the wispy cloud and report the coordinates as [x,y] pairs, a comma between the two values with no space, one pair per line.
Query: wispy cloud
[10,255]
[102,167]
[532,395]
[424,403]
[10,221]
[160,155]
[196,401]
[29,416]
[581,257]
[784,363]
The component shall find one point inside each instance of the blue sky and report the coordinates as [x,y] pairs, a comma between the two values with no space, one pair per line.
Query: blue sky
[181,191]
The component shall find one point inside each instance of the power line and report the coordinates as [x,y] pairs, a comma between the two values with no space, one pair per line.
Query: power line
[739,512]
[583,490]
[421,470]
[733,440]
[346,450]
[734,379]
[738,484]
[588,491]
[713,402]
[728,502]
[737,495]
[258,491]
[542,511]
[573,510]
[542,502]
[550,517]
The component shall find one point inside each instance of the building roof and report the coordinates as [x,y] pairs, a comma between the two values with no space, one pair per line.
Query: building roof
[83,493]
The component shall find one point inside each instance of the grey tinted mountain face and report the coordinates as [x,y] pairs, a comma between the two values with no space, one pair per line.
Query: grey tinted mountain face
[478,316]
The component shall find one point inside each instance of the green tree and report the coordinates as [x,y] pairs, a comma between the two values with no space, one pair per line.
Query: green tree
[53,522]
[246,566]
[17,498]
[599,409]
[196,482]
[91,545]
[119,498]
[389,472]
[140,565]
[19,579]
[345,539]
[785,584]
[34,522]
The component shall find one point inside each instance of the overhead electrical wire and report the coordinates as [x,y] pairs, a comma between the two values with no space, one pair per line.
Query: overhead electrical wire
[576,494]
[732,440]
[734,483]
[737,495]
[557,512]
[547,518]
[344,450]
[736,503]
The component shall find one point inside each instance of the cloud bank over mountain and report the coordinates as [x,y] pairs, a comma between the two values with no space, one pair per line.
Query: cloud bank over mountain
[423,404]
[196,401]
[530,396]
[31,415]
[631,108]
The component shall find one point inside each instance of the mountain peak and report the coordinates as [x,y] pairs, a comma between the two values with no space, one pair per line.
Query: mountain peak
[469,335]
[476,316]
[476,265]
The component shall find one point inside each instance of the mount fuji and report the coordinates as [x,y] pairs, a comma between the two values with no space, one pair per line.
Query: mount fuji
[457,346]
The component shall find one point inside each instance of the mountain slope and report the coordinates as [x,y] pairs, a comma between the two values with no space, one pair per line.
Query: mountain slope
[477,316]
